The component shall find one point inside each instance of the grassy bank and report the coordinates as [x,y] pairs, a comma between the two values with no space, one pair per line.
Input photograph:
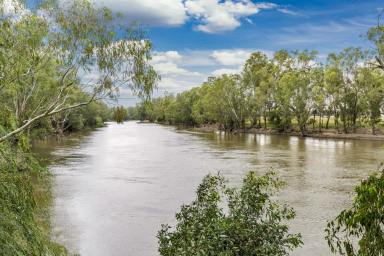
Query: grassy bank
[25,200]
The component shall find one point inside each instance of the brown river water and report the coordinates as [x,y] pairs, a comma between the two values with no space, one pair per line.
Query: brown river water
[115,186]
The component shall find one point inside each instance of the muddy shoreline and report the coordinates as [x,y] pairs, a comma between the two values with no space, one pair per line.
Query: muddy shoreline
[362,134]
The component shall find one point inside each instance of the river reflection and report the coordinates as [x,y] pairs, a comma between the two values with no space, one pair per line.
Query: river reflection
[116,185]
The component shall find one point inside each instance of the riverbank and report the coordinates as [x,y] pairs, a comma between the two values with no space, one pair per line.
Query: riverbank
[25,205]
[362,134]
[26,197]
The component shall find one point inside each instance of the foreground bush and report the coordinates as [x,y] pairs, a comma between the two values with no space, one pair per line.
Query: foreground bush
[360,229]
[232,221]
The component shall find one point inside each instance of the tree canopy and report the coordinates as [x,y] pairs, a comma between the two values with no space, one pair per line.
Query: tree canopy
[48,55]
[289,91]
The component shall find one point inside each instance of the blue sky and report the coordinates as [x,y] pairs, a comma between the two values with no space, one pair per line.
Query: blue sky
[194,39]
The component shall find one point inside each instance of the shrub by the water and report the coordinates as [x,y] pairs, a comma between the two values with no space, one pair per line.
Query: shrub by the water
[232,221]
[359,230]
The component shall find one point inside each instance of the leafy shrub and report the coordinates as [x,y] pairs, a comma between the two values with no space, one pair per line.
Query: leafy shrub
[360,229]
[232,221]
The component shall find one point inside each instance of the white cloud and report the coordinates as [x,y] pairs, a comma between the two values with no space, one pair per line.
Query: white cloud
[228,71]
[149,12]
[167,64]
[231,57]
[171,69]
[217,16]
[288,11]
[173,85]
[12,8]
[173,56]
[212,16]
[183,70]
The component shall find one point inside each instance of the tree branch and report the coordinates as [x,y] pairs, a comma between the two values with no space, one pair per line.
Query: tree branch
[45,114]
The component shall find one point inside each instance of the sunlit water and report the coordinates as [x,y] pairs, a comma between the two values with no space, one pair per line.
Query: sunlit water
[115,186]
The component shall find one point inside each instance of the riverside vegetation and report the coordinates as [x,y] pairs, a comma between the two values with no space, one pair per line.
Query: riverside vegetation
[289,92]
[47,54]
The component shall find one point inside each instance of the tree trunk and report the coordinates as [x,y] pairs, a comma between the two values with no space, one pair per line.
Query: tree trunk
[303,131]
[373,128]
[265,121]
[314,122]
[345,127]
[327,125]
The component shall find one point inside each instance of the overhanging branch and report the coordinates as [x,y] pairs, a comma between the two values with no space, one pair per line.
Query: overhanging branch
[29,122]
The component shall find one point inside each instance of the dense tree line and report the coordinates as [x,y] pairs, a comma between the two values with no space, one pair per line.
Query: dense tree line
[291,90]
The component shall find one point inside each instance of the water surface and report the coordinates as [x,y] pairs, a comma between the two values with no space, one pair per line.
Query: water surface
[115,186]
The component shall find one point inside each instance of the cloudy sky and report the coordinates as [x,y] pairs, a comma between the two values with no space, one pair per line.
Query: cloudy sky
[194,39]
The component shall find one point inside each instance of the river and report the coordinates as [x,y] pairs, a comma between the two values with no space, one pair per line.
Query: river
[115,186]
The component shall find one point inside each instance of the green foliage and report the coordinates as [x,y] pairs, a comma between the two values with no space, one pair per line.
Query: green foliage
[232,221]
[376,36]
[359,229]
[24,205]
[372,84]
[282,92]
[71,56]
[119,114]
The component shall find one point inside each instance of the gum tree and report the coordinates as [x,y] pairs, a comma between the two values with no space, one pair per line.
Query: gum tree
[48,54]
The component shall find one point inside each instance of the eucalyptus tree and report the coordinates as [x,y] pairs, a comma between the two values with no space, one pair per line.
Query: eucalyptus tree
[372,85]
[211,105]
[300,82]
[258,76]
[120,114]
[319,94]
[351,61]
[184,104]
[293,94]
[333,82]
[282,116]
[342,73]
[234,94]
[161,108]
[376,36]
[47,54]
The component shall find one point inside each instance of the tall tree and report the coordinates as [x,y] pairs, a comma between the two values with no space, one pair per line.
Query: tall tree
[47,54]
[372,84]
[258,77]
[376,36]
